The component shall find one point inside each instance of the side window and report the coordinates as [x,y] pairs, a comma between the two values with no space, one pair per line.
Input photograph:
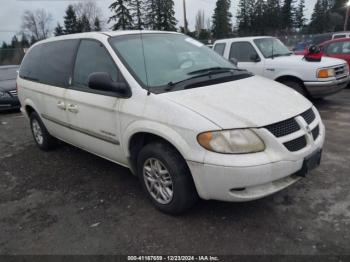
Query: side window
[335,48]
[30,66]
[50,63]
[243,52]
[56,62]
[92,57]
[220,48]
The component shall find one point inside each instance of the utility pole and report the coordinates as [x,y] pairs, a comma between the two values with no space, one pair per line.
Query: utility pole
[347,16]
[185,18]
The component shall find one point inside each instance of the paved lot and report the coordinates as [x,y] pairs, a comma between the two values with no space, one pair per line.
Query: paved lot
[71,202]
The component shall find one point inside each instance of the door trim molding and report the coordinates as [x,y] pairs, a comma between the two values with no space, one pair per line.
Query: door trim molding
[81,130]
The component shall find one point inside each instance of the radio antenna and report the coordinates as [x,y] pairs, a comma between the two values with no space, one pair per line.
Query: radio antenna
[144,62]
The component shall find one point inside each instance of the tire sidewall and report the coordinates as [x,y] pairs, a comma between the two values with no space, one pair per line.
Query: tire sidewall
[178,170]
[46,136]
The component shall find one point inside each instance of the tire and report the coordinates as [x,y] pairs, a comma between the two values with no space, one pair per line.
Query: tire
[184,194]
[296,86]
[40,134]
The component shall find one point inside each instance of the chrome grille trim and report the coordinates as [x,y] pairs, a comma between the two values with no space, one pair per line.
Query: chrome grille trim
[13,92]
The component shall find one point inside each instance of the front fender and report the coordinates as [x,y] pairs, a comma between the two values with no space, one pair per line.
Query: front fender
[169,133]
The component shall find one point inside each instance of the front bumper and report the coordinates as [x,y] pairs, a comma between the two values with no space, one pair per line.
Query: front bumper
[321,89]
[241,178]
[9,103]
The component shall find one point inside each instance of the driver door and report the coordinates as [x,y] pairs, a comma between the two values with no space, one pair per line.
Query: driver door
[93,115]
[247,57]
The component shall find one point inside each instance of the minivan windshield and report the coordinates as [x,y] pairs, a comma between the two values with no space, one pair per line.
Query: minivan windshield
[165,58]
[272,47]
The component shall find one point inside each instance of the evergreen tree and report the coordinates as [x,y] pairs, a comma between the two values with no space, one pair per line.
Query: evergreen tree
[272,16]
[97,25]
[14,42]
[121,15]
[243,18]
[287,12]
[24,41]
[168,20]
[70,21]
[137,13]
[150,16]
[300,19]
[222,26]
[258,23]
[320,18]
[84,24]
[59,30]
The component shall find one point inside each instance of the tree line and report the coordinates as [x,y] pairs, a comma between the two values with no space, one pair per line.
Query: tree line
[260,17]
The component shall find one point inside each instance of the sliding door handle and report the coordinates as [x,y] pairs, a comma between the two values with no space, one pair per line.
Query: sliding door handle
[73,108]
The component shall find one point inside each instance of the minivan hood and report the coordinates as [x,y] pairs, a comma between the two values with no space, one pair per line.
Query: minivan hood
[250,102]
[298,60]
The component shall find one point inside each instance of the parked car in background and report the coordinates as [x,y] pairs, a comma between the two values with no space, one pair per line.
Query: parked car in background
[185,120]
[301,48]
[338,48]
[8,89]
[269,57]
[340,35]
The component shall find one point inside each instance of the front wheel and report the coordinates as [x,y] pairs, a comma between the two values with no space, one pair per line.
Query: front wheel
[40,134]
[166,178]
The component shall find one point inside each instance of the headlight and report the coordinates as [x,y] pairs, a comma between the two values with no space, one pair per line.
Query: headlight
[325,73]
[239,141]
[4,94]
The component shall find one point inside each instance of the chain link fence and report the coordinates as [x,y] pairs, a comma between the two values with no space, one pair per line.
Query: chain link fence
[11,56]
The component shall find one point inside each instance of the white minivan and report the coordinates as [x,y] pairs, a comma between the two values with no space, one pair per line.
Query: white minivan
[186,121]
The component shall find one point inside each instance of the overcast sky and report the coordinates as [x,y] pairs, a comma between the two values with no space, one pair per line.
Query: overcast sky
[11,11]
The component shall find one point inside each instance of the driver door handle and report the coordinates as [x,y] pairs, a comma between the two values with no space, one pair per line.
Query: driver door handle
[61,105]
[73,108]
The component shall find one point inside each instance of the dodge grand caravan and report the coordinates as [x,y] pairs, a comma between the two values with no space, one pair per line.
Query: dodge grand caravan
[186,121]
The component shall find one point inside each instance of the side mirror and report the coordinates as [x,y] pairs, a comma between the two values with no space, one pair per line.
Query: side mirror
[234,61]
[102,81]
[255,58]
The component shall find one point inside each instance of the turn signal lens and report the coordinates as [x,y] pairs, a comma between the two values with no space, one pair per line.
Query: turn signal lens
[325,73]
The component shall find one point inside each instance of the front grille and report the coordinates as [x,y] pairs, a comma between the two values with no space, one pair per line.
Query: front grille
[316,132]
[309,116]
[340,71]
[284,128]
[296,144]
[13,92]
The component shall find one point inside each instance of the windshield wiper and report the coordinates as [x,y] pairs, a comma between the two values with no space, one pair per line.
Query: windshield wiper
[214,70]
[278,55]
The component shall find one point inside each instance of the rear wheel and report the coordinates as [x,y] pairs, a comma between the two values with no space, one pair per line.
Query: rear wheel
[40,134]
[166,178]
[297,86]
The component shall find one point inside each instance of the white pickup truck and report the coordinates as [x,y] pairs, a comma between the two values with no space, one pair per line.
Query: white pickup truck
[269,57]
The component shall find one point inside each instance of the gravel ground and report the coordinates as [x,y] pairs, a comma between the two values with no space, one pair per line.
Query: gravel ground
[71,202]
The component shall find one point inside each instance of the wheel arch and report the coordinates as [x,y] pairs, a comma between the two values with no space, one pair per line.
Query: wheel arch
[283,78]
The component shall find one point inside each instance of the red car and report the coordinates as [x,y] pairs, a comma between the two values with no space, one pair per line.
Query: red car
[337,48]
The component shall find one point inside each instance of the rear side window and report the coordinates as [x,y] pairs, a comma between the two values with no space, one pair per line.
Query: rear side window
[220,48]
[335,48]
[50,63]
[243,52]
[92,57]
